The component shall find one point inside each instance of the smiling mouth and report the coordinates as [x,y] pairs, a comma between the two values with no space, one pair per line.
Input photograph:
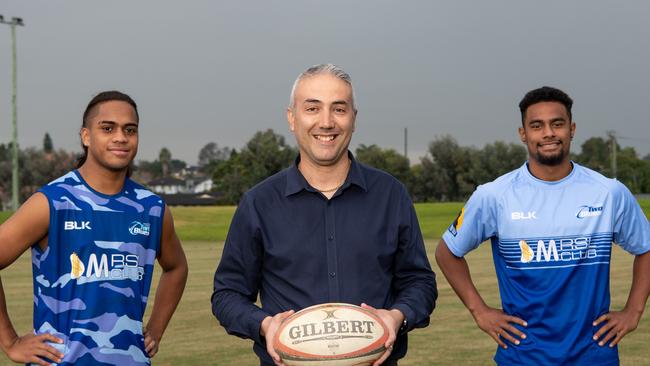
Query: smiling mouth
[119,152]
[325,138]
[550,144]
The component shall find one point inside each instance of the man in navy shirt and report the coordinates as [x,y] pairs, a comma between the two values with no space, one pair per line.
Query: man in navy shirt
[327,229]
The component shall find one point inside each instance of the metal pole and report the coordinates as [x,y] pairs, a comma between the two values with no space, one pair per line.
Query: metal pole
[406,142]
[14,173]
[612,144]
[614,148]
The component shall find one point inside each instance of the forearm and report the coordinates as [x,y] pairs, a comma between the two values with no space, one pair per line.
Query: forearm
[169,292]
[413,283]
[8,334]
[457,273]
[416,298]
[238,314]
[640,284]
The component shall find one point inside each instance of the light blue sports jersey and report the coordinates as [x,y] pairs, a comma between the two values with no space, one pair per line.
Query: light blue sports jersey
[551,243]
[91,283]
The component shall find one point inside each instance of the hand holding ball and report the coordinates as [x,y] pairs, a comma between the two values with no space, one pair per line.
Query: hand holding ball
[332,335]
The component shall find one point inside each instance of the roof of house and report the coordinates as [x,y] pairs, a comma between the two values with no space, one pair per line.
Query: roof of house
[166,181]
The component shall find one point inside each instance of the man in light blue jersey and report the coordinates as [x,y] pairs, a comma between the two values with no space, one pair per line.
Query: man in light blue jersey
[551,224]
[94,236]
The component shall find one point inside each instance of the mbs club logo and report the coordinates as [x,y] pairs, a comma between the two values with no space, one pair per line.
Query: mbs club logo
[560,250]
[113,267]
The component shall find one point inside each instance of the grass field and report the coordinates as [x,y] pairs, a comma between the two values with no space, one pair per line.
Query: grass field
[195,338]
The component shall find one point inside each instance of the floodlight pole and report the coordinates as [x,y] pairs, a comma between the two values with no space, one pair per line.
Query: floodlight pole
[612,139]
[14,172]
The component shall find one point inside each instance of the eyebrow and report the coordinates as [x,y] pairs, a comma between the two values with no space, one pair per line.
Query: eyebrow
[320,102]
[113,123]
[552,120]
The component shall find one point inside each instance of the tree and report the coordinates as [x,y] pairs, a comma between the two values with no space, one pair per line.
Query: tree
[631,170]
[444,174]
[265,154]
[165,156]
[47,144]
[37,169]
[494,160]
[595,154]
[387,160]
[211,153]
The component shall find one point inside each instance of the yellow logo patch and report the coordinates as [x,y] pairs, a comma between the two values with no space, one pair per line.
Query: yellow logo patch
[526,253]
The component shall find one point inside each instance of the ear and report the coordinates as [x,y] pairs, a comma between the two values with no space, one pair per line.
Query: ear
[573,129]
[84,133]
[522,134]
[354,121]
[291,118]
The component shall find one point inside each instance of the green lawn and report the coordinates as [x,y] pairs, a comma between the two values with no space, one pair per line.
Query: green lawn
[195,338]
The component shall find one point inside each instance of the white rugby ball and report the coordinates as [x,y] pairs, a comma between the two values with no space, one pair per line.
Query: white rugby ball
[333,334]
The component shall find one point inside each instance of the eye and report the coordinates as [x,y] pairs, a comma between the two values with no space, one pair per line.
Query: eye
[131,130]
[107,128]
[340,110]
[311,109]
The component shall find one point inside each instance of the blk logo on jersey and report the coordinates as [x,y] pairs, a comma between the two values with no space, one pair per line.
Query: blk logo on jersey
[589,211]
[108,267]
[76,225]
[138,228]
[520,215]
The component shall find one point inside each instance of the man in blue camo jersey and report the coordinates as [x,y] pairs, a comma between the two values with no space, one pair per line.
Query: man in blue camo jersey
[551,224]
[94,236]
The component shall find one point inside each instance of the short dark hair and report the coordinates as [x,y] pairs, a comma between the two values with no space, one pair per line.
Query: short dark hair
[105,96]
[545,94]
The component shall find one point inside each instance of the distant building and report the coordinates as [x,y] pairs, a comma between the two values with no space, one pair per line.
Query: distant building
[168,185]
[193,190]
[204,185]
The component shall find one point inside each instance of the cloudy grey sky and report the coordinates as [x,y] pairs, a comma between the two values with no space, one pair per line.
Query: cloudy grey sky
[218,71]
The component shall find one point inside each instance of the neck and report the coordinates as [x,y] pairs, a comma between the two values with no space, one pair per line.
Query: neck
[550,173]
[103,180]
[325,178]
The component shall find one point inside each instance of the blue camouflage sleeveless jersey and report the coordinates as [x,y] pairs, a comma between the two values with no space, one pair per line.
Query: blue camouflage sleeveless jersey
[91,283]
[551,245]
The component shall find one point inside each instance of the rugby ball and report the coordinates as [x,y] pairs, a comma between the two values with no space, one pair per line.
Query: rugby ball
[333,334]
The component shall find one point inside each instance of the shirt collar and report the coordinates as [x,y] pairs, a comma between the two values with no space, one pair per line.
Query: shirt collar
[296,182]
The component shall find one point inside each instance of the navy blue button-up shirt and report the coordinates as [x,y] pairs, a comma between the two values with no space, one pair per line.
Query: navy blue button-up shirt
[296,248]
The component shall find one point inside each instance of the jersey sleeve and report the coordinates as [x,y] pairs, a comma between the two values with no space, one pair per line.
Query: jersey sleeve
[631,227]
[475,223]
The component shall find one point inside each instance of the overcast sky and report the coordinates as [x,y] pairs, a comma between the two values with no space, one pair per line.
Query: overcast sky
[219,71]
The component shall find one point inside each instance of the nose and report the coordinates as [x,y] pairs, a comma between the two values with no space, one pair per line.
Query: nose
[327,120]
[119,135]
[548,130]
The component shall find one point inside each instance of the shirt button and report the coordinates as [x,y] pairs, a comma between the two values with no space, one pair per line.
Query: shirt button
[332,274]
[331,237]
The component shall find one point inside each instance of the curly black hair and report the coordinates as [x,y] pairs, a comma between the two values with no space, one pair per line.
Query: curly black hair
[545,94]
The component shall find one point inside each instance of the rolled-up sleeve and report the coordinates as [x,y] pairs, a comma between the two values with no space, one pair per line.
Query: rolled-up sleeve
[237,278]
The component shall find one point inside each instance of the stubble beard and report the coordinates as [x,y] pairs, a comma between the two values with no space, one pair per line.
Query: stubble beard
[550,160]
